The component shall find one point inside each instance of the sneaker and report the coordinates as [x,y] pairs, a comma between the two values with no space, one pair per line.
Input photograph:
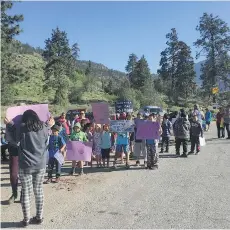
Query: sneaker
[12,199]
[155,166]
[137,163]
[184,155]
[127,166]
[25,223]
[161,151]
[197,152]
[178,154]
[191,152]
[36,221]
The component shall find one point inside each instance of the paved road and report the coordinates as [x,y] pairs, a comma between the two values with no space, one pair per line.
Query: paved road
[182,193]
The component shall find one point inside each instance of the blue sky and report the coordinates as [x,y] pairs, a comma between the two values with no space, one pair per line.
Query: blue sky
[107,32]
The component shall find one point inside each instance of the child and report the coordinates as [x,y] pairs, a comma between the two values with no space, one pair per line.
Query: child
[166,127]
[56,143]
[152,156]
[77,135]
[97,144]
[63,134]
[195,131]
[89,129]
[122,145]
[105,145]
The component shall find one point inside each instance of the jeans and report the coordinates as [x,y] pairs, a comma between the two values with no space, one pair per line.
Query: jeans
[227,129]
[54,162]
[165,140]
[195,141]
[220,131]
[178,144]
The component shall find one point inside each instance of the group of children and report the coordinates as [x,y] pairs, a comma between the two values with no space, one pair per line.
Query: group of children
[124,144]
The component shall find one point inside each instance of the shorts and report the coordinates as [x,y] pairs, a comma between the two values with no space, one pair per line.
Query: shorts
[208,122]
[122,148]
[105,153]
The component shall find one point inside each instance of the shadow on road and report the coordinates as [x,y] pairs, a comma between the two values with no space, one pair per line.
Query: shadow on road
[10,225]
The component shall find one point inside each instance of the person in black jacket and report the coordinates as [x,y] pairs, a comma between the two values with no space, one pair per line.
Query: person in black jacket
[195,132]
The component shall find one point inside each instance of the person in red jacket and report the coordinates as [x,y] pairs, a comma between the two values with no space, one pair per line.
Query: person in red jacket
[219,116]
[65,123]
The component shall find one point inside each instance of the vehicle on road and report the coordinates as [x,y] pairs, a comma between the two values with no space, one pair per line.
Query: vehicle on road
[151,109]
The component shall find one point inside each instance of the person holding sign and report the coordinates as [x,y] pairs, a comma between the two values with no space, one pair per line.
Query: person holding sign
[31,136]
[56,144]
[77,135]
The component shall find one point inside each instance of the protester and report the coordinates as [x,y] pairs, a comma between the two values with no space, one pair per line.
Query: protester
[208,118]
[56,143]
[195,132]
[181,129]
[31,137]
[89,130]
[227,120]
[198,113]
[131,138]
[82,117]
[219,123]
[65,123]
[97,144]
[105,145]
[78,135]
[166,132]
[151,145]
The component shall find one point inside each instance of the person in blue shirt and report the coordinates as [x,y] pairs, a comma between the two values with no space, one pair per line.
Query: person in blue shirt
[56,143]
[208,118]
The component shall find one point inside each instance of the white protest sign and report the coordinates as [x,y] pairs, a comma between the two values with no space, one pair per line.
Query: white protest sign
[60,158]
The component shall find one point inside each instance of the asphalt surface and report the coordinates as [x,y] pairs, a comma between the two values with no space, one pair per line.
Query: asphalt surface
[191,192]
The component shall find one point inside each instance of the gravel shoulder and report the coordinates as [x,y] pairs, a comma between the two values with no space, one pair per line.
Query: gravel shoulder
[182,193]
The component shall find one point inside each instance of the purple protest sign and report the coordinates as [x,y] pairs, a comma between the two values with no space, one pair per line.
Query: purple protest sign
[15,113]
[101,112]
[147,130]
[79,151]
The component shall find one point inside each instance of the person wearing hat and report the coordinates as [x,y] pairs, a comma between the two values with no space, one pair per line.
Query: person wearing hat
[77,135]
[56,143]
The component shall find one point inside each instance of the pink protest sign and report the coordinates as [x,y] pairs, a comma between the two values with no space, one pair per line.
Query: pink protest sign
[147,130]
[101,112]
[79,151]
[15,113]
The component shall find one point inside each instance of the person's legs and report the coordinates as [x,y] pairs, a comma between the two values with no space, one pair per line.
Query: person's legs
[73,168]
[218,129]
[227,129]
[118,152]
[144,151]
[50,168]
[27,186]
[137,150]
[178,143]
[81,165]
[108,156]
[13,177]
[37,178]
[162,144]
[167,144]
[185,147]
[126,151]
[197,144]
[58,169]
[155,155]
[193,142]
[222,132]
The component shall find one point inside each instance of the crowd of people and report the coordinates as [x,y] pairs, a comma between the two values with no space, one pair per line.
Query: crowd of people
[31,141]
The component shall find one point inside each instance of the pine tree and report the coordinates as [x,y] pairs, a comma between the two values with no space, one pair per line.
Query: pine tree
[140,74]
[58,55]
[214,43]
[9,73]
[88,69]
[177,68]
[131,65]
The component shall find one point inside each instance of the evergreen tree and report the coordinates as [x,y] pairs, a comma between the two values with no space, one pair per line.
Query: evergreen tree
[214,43]
[9,29]
[88,69]
[140,74]
[177,68]
[131,65]
[58,55]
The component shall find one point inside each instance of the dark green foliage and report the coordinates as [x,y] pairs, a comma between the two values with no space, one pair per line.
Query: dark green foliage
[214,43]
